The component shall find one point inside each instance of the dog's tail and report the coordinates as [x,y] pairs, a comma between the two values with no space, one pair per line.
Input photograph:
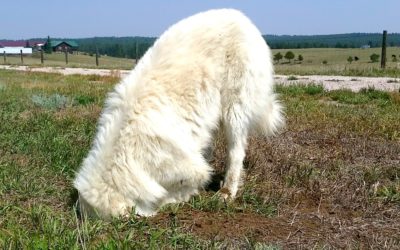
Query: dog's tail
[271,118]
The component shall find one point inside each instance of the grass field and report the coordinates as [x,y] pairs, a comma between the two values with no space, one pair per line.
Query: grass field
[337,63]
[312,64]
[331,179]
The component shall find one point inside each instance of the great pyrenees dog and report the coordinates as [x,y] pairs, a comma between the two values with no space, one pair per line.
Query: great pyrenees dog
[207,71]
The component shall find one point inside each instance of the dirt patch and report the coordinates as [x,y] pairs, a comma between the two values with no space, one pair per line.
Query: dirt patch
[325,183]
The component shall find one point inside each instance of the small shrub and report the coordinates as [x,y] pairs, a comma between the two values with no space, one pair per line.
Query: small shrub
[313,89]
[375,94]
[374,57]
[84,99]
[324,62]
[300,58]
[54,101]
[292,78]
[350,59]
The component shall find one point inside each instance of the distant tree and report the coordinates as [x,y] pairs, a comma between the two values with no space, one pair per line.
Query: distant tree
[27,45]
[394,58]
[277,57]
[350,59]
[300,58]
[289,55]
[356,58]
[47,47]
[374,57]
[324,62]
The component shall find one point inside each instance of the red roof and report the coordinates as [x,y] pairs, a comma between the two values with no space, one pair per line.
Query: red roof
[19,43]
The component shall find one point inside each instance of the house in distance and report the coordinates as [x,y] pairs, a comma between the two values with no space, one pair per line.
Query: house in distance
[29,46]
[62,46]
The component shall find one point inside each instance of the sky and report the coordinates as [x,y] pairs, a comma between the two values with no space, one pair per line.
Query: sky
[22,19]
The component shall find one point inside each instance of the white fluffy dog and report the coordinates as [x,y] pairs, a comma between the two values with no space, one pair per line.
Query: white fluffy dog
[209,69]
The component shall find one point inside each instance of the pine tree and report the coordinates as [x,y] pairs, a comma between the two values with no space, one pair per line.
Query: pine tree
[47,47]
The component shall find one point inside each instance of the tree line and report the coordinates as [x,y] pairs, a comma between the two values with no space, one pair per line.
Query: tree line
[132,47]
[127,47]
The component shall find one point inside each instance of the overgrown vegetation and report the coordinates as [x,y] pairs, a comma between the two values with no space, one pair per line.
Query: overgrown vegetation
[331,179]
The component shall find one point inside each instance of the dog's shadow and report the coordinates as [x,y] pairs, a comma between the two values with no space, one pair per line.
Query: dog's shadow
[73,202]
[215,183]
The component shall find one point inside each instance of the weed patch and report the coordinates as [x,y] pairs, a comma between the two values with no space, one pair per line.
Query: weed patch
[54,101]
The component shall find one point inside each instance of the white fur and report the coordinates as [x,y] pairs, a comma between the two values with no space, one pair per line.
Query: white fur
[209,68]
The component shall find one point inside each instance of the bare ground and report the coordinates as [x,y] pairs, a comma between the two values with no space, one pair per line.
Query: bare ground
[332,202]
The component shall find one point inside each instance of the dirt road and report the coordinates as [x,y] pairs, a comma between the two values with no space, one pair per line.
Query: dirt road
[329,82]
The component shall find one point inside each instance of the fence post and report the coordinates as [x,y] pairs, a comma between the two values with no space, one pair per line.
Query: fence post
[66,56]
[22,58]
[41,56]
[383,56]
[97,57]
[4,55]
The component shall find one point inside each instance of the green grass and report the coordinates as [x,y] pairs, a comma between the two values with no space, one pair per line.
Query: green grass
[337,160]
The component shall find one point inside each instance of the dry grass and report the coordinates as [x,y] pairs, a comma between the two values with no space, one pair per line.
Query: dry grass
[74,60]
[337,62]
